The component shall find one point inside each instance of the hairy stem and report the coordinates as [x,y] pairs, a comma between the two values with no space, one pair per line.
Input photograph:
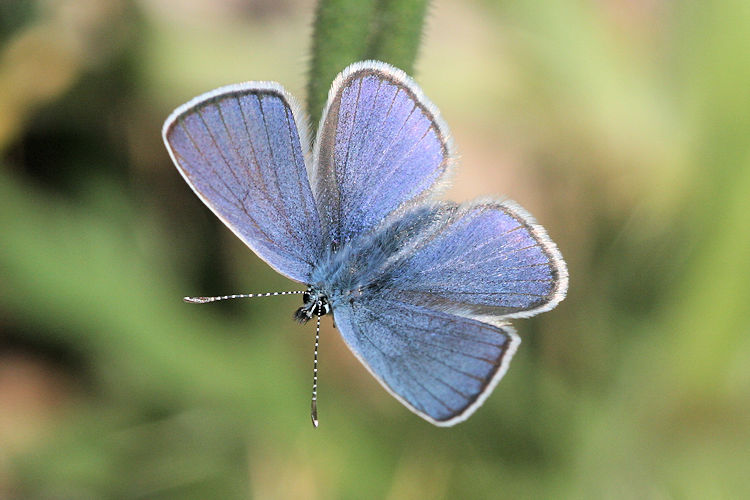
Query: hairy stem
[346,31]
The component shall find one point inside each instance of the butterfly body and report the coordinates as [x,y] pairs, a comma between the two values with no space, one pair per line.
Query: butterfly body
[421,290]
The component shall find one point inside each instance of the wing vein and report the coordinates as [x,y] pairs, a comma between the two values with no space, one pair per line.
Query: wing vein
[383,178]
[199,112]
[344,165]
[282,207]
[420,341]
[208,163]
[412,400]
[302,190]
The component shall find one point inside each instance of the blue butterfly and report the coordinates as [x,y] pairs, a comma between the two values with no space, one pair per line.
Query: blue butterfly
[421,290]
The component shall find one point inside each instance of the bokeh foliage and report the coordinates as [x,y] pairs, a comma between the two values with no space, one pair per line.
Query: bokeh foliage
[628,126]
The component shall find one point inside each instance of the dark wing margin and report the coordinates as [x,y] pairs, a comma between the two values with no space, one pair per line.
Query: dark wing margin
[440,366]
[241,148]
[381,147]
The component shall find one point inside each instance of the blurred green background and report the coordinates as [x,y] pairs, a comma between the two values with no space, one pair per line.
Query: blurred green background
[622,125]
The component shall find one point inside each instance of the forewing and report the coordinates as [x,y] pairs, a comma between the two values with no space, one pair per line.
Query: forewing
[239,148]
[441,366]
[381,146]
[485,260]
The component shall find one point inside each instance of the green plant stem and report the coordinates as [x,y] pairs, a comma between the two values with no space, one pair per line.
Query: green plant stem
[346,31]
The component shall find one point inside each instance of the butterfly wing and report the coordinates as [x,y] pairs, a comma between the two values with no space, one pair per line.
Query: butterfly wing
[486,260]
[429,318]
[239,148]
[381,146]
[440,366]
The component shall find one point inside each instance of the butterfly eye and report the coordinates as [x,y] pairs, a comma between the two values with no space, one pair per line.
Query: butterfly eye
[306,297]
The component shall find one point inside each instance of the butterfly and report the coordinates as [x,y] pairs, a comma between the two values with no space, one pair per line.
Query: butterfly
[421,290]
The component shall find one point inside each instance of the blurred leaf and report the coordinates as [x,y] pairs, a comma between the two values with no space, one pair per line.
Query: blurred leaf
[715,65]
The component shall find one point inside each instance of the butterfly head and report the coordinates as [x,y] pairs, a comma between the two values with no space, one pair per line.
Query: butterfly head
[314,303]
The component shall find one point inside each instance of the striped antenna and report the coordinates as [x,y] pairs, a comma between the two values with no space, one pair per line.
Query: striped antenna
[206,300]
[314,402]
